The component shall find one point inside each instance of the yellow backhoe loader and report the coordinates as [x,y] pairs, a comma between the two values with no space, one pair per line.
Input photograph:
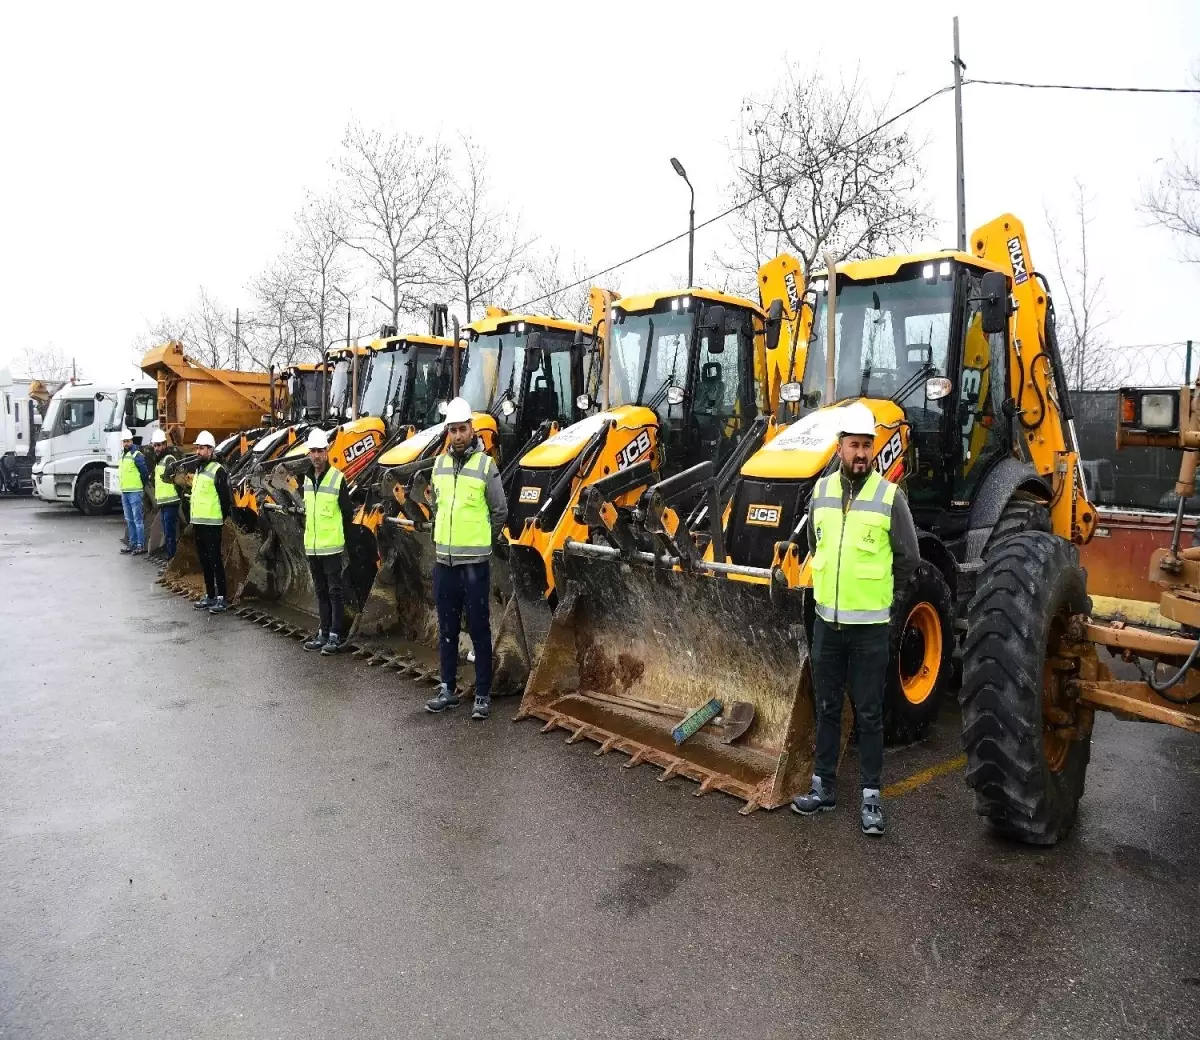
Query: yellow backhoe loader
[690,381]
[975,423]
[526,377]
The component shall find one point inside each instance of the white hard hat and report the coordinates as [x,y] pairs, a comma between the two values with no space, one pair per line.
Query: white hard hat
[317,439]
[126,435]
[458,411]
[858,419]
[206,440]
[158,437]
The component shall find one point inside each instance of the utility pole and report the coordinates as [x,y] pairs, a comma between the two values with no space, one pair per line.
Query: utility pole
[958,143]
[237,338]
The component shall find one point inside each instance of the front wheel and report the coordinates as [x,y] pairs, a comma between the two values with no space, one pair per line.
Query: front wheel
[91,497]
[921,666]
[1027,740]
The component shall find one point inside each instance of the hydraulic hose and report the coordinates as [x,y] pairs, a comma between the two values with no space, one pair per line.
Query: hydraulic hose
[1162,688]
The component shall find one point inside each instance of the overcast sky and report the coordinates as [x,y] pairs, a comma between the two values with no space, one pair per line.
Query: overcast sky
[150,149]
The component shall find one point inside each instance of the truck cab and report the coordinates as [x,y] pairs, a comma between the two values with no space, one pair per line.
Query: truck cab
[20,419]
[134,407]
[72,446]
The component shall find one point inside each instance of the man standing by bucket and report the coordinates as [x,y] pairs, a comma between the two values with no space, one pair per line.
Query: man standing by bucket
[211,504]
[134,475]
[327,515]
[864,548]
[469,513]
[166,495]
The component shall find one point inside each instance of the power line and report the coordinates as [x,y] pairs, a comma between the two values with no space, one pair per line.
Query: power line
[725,213]
[1082,86]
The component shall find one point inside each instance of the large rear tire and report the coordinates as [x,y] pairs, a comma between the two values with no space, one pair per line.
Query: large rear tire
[1021,513]
[1027,743]
[921,665]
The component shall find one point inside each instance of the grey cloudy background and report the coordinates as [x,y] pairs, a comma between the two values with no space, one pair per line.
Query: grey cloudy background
[150,149]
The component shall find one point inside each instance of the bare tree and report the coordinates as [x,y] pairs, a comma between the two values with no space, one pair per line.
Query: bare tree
[1087,356]
[50,364]
[393,192]
[480,248]
[319,242]
[1173,202]
[274,333]
[561,290]
[817,170]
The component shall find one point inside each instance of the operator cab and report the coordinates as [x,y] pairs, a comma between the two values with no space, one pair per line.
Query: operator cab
[689,358]
[405,379]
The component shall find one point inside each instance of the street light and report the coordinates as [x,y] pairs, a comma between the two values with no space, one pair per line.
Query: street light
[691,215]
[353,359]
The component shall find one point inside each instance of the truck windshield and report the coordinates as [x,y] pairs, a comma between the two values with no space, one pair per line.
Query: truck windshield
[886,333]
[113,408]
[47,428]
[404,379]
[304,390]
[649,354]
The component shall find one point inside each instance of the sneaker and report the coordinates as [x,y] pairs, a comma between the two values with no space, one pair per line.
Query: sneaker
[203,603]
[821,797]
[872,812]
[139,551]
[482,709]
[315,641]
[127,551]
[332,645]
[445,698]
[162,570]
[219,606]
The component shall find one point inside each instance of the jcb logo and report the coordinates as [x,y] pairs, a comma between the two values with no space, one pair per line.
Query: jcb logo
[889,453]
[763,516]
[530,495]
[634,450]
[360,447]
[1016,256]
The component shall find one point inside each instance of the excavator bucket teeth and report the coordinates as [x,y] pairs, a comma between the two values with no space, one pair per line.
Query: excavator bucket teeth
[399,614]
[633,649]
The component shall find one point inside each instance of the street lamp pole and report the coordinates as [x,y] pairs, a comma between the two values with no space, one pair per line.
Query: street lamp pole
[691,219]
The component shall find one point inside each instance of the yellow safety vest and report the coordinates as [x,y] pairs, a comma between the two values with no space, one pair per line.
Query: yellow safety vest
[324,534]
[165,492]
[852,567]
[463,524]
[206,503]
[131,477]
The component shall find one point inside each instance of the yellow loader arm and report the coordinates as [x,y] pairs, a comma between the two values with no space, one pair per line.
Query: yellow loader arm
[1036,381]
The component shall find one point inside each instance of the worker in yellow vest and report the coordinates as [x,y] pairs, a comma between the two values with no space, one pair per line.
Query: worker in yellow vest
[166,495]
[864,548]
[327,515]
[469,513]
[133,474]
[211,503]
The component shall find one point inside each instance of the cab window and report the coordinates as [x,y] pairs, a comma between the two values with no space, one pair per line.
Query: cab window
[76,415]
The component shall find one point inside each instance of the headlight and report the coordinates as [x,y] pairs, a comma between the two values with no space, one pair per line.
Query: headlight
[1158,411]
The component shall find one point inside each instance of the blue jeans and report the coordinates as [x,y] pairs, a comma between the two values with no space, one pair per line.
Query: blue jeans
[135,525]
[454,588]
[169,515]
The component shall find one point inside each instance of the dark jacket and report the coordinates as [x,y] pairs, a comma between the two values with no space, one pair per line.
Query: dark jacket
[224,493]
[906,554]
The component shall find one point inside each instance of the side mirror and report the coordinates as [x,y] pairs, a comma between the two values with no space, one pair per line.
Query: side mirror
[507,407]
[441,407]
[675,395]
[583,402]
[533,350]
[937,388]
[774,323]
[714,322]
[99,397]
[791,392]
[995,305]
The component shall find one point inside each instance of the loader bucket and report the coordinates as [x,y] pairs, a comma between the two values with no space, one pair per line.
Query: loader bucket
[633,649]
[183,573]
[398,623]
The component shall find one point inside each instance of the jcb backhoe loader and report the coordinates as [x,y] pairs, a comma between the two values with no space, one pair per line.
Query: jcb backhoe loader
[690,379]
[527,376]
[974,423]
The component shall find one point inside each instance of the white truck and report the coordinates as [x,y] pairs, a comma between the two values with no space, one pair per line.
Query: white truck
[20,419]
[73,447]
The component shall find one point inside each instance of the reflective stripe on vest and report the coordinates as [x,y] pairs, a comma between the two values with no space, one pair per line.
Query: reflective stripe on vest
[206,503]
[165,493]
[463,524]
[323,532]
[852,567]
[131,477]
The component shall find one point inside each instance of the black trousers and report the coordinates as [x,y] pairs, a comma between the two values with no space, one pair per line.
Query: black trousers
[454,588]
[855,656]
[208,548]
[331,596]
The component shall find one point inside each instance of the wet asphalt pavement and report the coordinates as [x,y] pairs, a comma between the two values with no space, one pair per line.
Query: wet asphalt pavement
[205,832]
